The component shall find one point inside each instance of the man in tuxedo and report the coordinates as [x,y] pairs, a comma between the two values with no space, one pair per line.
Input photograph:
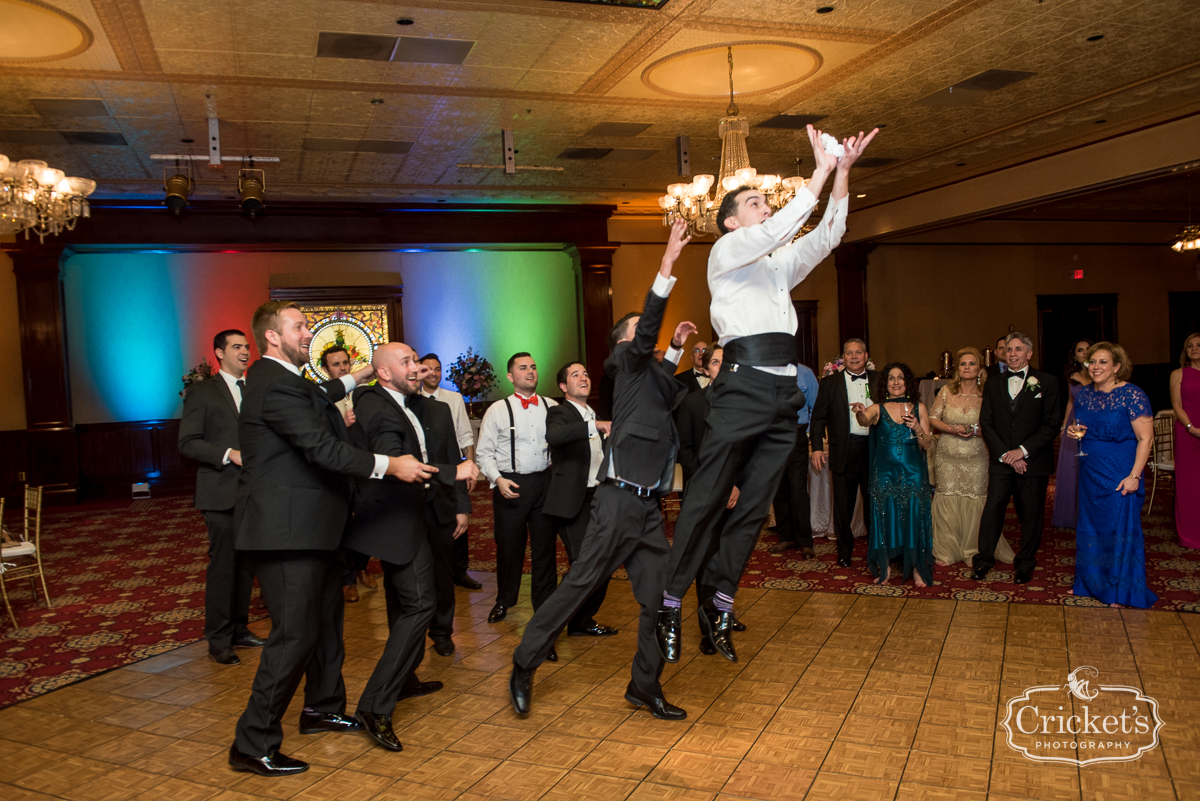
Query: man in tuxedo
[793,514]
[999,364]
[432,388]
[848,455]
[696,377]
[626,525]
[751,270]
[292,508]
[208,434]
[390,522]
[1019,421]
[576,440]
[515,457]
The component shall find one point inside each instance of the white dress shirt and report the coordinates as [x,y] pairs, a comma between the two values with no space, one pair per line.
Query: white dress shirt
[856,392]
[589,415]
[458,412]
[494,453]
[1015,383]
[701,378]
[751,271]
[232,383]
[381,461]
[401,399]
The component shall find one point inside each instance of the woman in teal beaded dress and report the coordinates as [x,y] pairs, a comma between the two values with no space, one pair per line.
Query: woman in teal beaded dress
[901,525]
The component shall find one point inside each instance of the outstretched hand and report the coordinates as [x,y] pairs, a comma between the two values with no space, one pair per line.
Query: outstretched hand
[825,161]
[675,242]
[682,332]
[855,146]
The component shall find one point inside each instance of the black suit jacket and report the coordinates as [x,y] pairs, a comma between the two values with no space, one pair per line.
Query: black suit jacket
[1033,423]
[441,442]
[389,517]
[689,380]
[209,428]
[831,415]
[644,440]
[993,369]
[693,411]
[294,490]
[570,460]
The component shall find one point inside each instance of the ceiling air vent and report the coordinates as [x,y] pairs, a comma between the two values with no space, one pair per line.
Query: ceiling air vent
[874,162]
[94,138]
[355,45]
[585,153]
[357,145]
[619,129]
[65,107]
[971,89]
[421,50]
[23,137]
[629,154]
[792,122]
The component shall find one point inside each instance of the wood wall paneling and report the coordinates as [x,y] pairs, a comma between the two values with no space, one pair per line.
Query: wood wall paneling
[596,263]
[851,263]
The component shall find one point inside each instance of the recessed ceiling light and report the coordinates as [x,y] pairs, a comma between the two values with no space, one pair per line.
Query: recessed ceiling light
[377,101]
[187,141]
[863,195]
[1101,122]
[404,21]
[1095,37]
[824,9]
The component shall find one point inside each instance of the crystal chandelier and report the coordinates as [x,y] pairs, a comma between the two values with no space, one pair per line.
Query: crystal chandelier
[1189,237]
[36,197]
[691,202]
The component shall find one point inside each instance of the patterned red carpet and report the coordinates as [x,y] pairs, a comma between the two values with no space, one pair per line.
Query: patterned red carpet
[127,583]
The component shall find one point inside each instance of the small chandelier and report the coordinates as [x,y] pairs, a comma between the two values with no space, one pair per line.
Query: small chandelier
[1189,237]
[691,202]
[36,197]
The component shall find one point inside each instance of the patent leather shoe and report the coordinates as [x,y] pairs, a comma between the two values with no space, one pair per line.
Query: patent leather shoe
[520,690]
[248,639]
[719,628]
[738,625]
[667,631]
[979,573]
[443,646]
[420,688]
[1023,577]
[706,646]
[594,630]
[224,656]
[552,656]
[274,764]
[843,562]
[465,581]
[657,705]
[498,613]
[319,722]
[380,729]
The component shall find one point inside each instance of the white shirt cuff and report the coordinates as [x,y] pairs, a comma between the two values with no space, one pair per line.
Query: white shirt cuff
[591,428]
[349,383]
[381,463]
[662,286]
[1025,452]
[673,355]
[225,459]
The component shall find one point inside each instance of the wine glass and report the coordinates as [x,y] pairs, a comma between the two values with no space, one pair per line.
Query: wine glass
[908,409]
[1077,432]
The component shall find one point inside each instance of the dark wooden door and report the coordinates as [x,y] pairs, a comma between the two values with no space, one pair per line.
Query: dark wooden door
[1063,320]
[1185,319]
[806,333]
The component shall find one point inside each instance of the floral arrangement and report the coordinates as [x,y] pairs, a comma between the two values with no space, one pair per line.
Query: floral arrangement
[472,374]
[198,373]
[836,365]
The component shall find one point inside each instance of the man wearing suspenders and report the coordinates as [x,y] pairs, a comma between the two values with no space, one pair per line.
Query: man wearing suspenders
[515,457]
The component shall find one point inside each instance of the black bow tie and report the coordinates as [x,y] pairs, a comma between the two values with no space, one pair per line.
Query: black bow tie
[854,377]
[700,374]
[1016,374]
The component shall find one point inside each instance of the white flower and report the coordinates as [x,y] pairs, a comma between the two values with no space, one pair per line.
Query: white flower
[1032,382]
[832,146]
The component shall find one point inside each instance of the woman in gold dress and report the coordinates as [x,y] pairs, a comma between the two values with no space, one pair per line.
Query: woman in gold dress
[961,465]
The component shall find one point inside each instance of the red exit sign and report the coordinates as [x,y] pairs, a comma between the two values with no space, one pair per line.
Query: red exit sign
[1077,275]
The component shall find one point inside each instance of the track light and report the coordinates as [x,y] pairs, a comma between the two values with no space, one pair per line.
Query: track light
[178,186]
[252,186]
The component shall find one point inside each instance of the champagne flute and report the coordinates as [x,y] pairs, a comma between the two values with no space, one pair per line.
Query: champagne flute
[1077,432]
[908,409]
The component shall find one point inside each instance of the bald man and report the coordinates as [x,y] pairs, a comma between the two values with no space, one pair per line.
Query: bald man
[390,522]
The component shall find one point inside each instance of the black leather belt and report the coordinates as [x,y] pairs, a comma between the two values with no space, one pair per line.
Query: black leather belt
[761,350]
[641,492]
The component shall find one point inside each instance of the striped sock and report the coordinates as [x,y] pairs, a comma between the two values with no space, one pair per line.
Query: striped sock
[670,601]
[723,602]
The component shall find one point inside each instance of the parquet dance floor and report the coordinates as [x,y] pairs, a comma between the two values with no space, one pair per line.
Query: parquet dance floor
[835,696]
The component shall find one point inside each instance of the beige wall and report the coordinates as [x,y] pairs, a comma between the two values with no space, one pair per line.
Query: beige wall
[821,286]
[12,394]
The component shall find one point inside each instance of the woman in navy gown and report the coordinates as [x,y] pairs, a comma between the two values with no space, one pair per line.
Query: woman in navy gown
[901,525]
[1116,424]
[1066,476]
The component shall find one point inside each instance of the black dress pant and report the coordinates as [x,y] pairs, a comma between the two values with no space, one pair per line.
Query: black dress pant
[228,583]
[409,594]
[793,513]
[462,554]
[303,593]
[519,520]
[749,433]
[1028,495]
[441,542]
[846,486]
[352,563]
[624,529]
[573,532]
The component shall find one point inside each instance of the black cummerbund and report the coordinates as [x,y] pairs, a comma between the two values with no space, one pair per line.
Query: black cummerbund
[761,350]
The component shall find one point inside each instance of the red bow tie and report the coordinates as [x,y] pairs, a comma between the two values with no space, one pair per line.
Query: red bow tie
[527,402]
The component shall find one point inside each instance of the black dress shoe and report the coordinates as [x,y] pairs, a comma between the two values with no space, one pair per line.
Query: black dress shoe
[520,690]
[706,646]
[657,705]
[594,630]
[738,625]
[443,646]
[843,562]
[421,688]
[1023,576]
[552,656]
[380,729]
[224,656]
[318,722]
[248,640]
[274,764]
[463,580]
[719,628]
[498,613]
[667,632]
[979,573]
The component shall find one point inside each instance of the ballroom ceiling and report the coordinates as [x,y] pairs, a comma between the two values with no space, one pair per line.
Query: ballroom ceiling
[365,101]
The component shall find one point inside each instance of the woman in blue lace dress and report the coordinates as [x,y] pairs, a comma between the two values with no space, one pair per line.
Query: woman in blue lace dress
[1114,424]
[901,526]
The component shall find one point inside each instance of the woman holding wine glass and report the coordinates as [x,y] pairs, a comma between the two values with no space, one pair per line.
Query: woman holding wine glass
[1114,424]
[1066,476]
[899,478]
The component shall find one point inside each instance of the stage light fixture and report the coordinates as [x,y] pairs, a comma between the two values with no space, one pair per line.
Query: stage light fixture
[252,187]
[178,185]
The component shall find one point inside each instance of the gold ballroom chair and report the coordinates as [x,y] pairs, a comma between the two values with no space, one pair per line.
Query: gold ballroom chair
[22,555]
[1162,457]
